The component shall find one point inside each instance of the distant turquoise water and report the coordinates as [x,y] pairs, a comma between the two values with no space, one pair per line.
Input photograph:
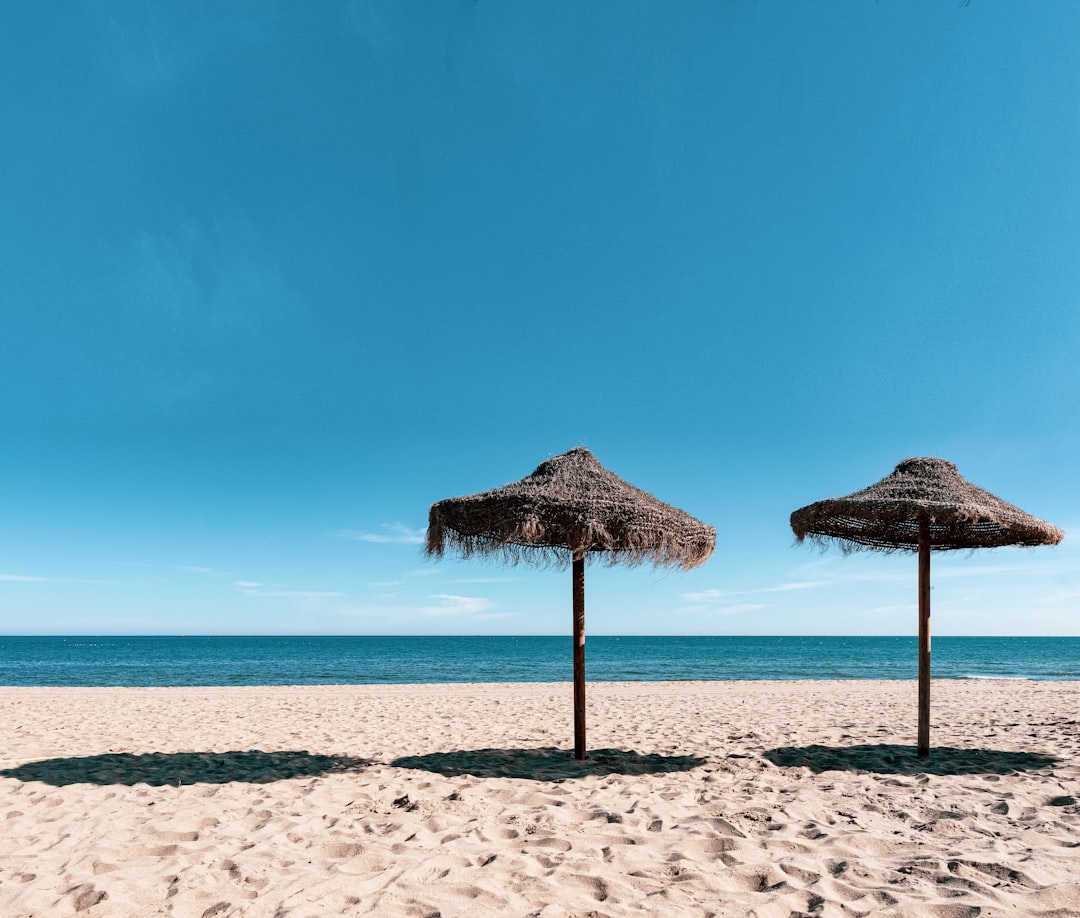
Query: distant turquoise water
[163,661]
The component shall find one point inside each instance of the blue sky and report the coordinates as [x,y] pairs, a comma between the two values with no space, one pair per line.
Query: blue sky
[275,277]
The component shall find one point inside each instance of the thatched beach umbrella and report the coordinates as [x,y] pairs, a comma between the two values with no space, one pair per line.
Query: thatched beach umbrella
[569,508]
[924,505]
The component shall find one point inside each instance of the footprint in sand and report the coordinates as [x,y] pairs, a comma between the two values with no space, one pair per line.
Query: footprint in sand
[156,851]
[594,886]
[341,849]
[177,836]
[954,911]
[87,896]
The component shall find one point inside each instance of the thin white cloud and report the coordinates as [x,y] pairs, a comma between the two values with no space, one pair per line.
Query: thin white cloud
[796,585]
[719,595]
[908,610]
[445,606]
[1060,596]
[705,596]
[734,608]
[719,602]
[29,578]
[487,580]
[200,569]
[253,588]
[902,574]
[450,605]
[1040,565]
[391,534]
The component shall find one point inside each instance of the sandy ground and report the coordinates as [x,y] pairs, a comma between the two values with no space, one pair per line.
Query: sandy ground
[723,798]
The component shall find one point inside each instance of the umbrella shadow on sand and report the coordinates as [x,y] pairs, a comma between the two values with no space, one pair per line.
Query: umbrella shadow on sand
[895,759]
[176,768]
[546,763]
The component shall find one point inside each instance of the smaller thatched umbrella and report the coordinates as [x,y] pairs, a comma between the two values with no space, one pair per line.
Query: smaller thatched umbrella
[923,505]
[568,508]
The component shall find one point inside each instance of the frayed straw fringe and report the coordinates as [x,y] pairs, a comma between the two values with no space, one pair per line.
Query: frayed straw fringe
[885,516]
[570,505]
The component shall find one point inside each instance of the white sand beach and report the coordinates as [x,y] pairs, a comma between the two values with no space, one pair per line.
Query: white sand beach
[723,798]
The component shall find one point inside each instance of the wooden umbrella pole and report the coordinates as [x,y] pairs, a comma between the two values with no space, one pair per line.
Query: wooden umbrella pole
[924,637]
[579,656]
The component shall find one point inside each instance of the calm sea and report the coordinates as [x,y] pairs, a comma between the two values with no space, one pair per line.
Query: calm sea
[150,661]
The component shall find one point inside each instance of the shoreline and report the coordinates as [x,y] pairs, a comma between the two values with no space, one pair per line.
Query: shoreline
[726,797]
[549,684]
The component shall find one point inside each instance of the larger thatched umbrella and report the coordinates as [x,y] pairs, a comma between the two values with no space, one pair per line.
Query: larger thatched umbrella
[569,508]
[924,505]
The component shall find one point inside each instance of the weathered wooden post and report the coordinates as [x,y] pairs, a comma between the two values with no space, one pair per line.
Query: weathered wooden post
[924,637]
[579,655]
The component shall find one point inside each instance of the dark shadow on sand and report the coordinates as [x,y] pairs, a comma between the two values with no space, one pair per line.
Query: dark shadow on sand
[546,763]
[892,759]
[176,768]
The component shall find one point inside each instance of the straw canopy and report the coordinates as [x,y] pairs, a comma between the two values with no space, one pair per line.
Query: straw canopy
[570,506]
[885,516]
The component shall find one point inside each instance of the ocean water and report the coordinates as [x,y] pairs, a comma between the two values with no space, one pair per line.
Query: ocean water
[164,661]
